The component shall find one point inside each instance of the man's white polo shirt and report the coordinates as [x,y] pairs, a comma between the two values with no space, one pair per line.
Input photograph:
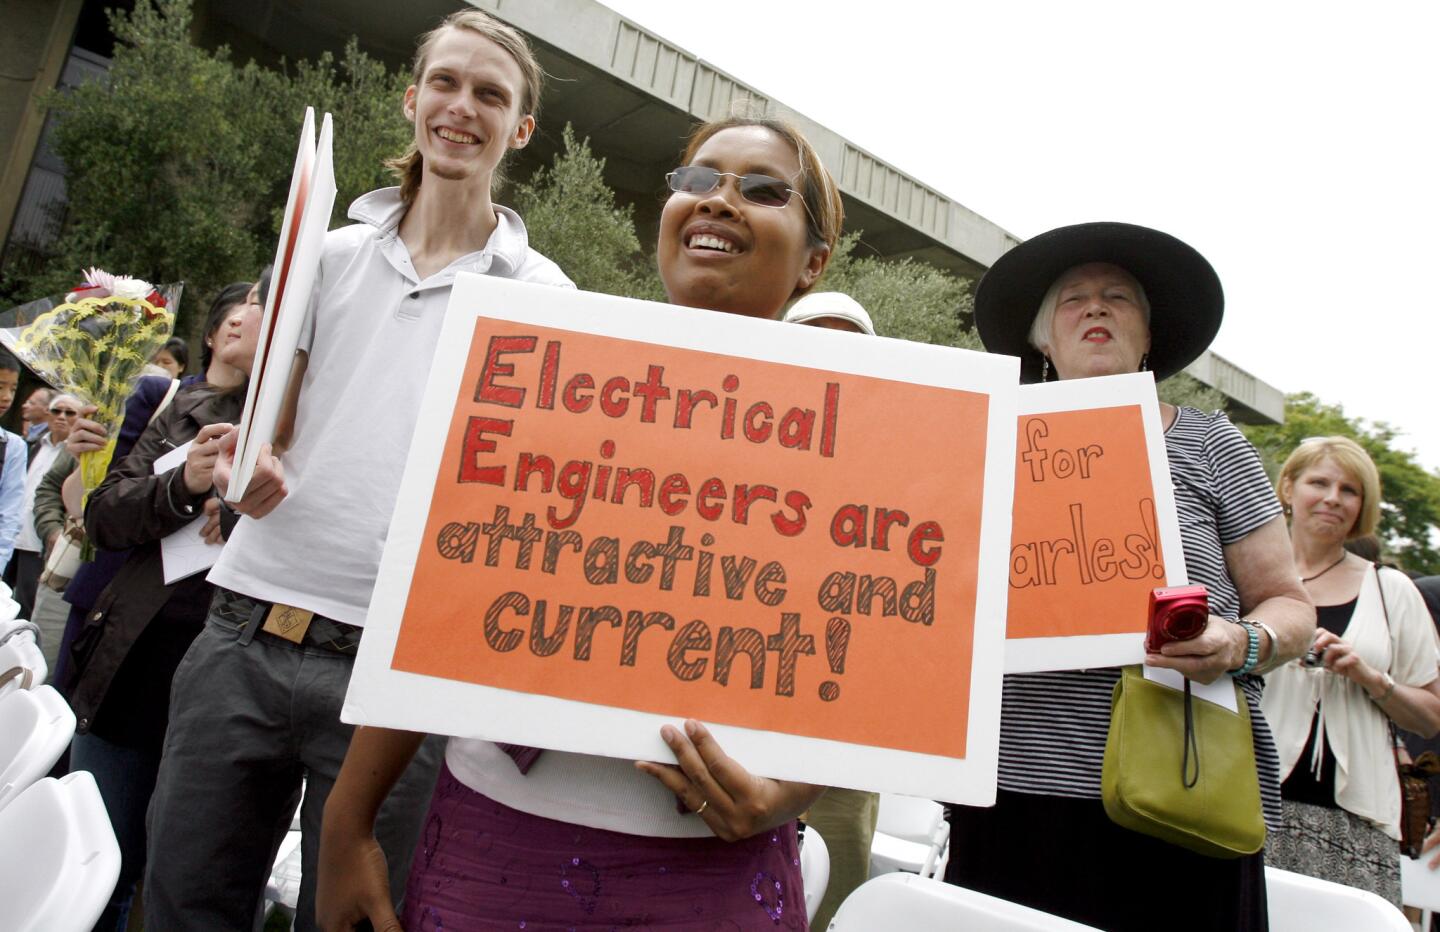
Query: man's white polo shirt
[371,336]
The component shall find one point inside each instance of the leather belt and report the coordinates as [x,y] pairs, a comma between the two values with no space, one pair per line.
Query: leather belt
[248,614]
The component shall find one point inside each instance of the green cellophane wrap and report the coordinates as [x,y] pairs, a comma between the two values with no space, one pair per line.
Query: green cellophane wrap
[95,348]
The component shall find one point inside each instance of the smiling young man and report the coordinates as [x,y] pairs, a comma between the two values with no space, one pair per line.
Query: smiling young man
[257,699]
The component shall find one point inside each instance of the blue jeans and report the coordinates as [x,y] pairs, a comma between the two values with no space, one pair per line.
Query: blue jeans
[126,777]
[249,715]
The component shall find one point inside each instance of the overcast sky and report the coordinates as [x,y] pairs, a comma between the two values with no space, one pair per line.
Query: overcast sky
[1296,145]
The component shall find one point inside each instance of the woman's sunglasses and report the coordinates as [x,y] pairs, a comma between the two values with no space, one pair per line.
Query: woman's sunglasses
[757,189]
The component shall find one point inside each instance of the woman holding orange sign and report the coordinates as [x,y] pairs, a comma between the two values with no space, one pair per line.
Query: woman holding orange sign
[517,836]
[1101,299]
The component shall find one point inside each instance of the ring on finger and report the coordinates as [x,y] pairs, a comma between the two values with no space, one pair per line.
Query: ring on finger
[704,803]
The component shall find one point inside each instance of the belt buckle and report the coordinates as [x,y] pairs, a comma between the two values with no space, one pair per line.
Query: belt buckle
[288,622]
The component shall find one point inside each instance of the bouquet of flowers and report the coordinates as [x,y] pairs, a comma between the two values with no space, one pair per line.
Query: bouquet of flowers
[94,343]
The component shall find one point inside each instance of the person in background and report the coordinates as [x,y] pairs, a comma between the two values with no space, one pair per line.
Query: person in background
[832,311]
[36,414]
[1372,667]
[151,395]
[29,556]
[1098,299]
[126,655]
[174,356]
[13,462]
[844,818]
[29,548]
[212,369]
[1366,547]
[1429,587]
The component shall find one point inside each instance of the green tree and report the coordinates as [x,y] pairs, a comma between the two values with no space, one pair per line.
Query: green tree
[1410,510]
[178,163]
[908,300]
[572,218]
[363,97]
[1182,388]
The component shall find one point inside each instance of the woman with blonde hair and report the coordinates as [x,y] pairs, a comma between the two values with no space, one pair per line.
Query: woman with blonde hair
[1371,669]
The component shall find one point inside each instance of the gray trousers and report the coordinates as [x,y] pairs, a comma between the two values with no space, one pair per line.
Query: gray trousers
[50,614]
[249,716]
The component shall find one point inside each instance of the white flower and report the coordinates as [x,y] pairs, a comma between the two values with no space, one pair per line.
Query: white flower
[100,278]
[130,288]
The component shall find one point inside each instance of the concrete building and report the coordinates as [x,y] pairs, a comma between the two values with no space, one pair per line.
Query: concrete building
[634,94]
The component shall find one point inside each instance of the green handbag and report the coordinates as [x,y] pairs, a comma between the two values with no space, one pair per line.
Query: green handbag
[1182,769]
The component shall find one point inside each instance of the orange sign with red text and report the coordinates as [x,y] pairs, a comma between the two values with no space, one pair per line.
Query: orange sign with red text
[656,528]
[1085,549]
[1093,529]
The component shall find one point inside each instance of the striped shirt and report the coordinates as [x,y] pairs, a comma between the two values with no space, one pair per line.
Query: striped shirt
[1053,725]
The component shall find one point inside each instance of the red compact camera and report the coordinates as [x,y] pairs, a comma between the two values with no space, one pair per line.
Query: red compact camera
[1176,614]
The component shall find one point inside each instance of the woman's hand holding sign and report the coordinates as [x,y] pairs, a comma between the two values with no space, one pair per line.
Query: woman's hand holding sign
[735,803]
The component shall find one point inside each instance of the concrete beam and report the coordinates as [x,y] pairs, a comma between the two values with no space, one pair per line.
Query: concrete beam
[33,46]
[900,205]
[1250,400]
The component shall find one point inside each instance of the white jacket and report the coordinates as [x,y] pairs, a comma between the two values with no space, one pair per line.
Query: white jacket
[1365,780]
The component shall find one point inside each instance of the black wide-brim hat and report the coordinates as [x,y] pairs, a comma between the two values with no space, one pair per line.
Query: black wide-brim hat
[1186,301]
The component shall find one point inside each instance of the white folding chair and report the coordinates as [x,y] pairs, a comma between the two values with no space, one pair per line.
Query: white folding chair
[1306,904]
[9,608]
[22,665]
[905,901]
[911,835]
[814,869]
[282,890]
[1420,886]
[60,859]
[36,726]
[16,627]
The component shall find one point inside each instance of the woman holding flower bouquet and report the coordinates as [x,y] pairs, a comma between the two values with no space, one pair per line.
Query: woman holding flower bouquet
[151,395]
[140,627]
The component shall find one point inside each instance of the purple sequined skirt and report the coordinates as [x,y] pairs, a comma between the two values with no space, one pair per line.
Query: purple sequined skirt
[482,865]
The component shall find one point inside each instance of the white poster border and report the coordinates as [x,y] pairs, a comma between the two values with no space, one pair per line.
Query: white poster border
[379,695]
[312,199]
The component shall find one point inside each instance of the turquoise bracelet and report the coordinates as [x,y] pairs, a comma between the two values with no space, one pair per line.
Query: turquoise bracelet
[1252,649]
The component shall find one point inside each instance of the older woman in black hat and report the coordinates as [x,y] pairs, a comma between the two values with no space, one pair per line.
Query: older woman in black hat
[1103,299]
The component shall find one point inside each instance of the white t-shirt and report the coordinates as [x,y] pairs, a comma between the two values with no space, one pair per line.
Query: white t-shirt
[371,336]
[582,789]
[45,453]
